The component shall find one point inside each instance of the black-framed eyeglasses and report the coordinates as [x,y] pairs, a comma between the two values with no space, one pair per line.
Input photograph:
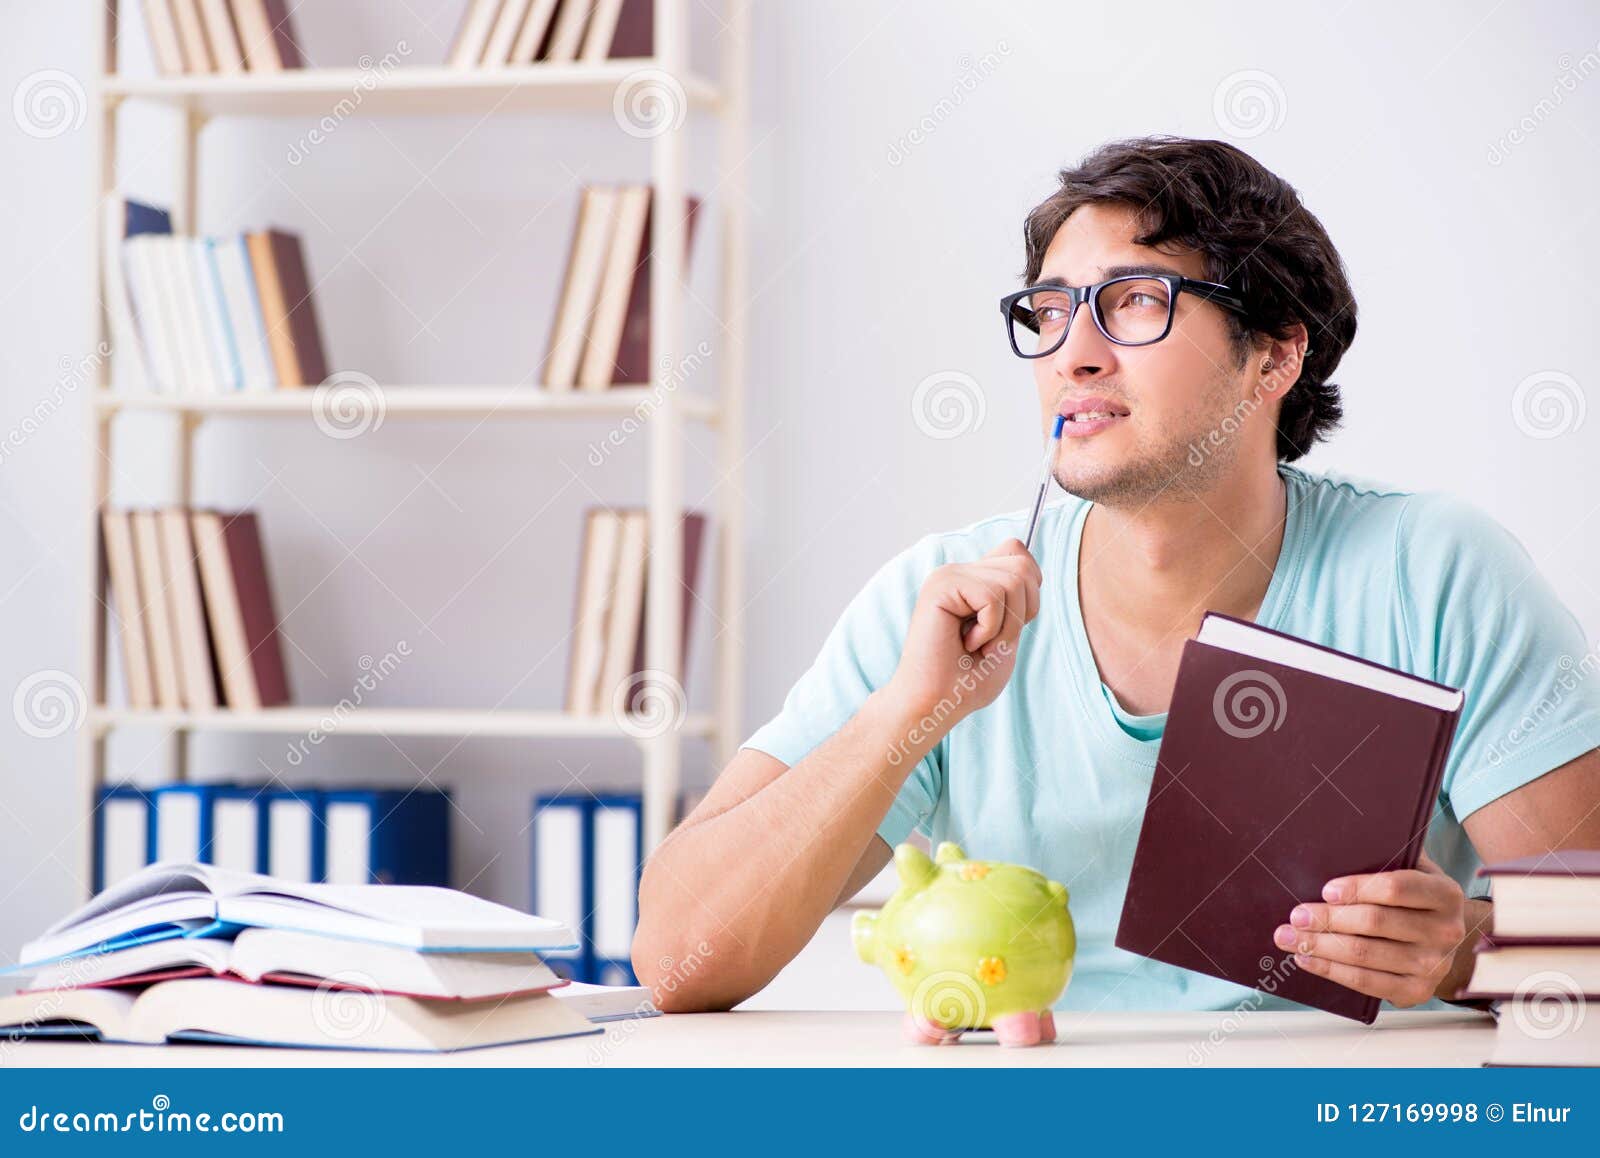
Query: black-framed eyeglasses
[1131,310]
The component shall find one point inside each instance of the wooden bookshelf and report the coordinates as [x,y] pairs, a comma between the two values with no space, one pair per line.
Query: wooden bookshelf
[536,90]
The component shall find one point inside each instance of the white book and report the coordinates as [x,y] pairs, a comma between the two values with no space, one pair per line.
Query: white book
[616,288]
[291,839]
[147,555]
[214,316]
[142,260]
[177,896]
[230,258]
[602,28]
[596,224]
[602,540]
[532,34]
[558,863]
[213,1009]
[467,51]
[616,879]
[177,271]
[567,38]
[623,617]
[498,51]
[235,840]
[128,357]
[602,1003]
[282,955]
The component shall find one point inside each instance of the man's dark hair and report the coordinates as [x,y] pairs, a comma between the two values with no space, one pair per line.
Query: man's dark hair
[1255,235]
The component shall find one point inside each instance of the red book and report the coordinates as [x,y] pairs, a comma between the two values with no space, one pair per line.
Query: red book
[633,352]
[1283,764]
[238,601]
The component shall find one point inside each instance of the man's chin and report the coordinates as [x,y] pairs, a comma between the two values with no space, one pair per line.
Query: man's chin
[1125,479]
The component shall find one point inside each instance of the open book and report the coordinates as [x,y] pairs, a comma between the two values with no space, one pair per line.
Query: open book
[290,958]
[210,1009]
[190,900]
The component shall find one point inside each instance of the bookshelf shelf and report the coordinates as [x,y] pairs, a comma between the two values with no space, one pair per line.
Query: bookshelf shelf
[406,91]
[485,723]
[602,92]
[426,402]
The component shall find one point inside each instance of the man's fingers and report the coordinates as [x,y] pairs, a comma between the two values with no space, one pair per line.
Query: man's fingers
[1399,957]
[1013,553]
[1397,924]
[1405,888]
[1376,982]
[1020,592]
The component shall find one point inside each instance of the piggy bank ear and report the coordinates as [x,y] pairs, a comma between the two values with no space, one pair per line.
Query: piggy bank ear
[949,852]
[913,865]
[1058,892]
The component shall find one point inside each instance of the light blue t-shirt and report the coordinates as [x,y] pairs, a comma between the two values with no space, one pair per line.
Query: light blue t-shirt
[1055,775]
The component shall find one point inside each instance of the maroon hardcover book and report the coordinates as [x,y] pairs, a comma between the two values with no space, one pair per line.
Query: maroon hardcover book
[283,35]
[247,561]
[633,354]
[1276,774]
[694,534]
[289,260]
[635,34]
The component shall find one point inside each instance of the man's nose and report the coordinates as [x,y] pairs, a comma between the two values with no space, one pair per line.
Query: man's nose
[1086,352]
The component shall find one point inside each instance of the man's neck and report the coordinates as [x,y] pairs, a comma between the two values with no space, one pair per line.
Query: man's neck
[1155,569]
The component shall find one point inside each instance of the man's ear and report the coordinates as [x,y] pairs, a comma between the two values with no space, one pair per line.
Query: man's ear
[1279,361]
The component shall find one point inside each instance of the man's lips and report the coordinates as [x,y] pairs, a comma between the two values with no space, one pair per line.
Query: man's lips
[1086,416]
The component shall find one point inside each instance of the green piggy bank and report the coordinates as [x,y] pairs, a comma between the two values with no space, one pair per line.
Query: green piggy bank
[971,944]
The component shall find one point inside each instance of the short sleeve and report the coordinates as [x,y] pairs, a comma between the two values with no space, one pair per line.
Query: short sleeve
[1480,617]
[859,656]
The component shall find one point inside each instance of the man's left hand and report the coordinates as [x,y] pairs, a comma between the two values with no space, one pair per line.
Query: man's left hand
[1393,935]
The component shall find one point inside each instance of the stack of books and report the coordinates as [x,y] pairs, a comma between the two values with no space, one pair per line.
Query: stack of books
[608,639]
[344,836]
[208,315]
[189,37]
[174,574]
[495,33]
[185,952]
[601,335]
[1540,962]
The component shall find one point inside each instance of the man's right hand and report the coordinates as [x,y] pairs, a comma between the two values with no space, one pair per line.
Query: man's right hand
[962,643]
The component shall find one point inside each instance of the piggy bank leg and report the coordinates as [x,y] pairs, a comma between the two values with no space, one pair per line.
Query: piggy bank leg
[921,1031]
[1047,1026]
[1019,1029]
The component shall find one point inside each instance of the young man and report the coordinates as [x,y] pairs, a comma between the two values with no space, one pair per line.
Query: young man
[1016,705]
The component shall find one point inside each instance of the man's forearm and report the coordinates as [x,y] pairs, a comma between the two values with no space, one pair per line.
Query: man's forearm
[752,884]
[1476,918]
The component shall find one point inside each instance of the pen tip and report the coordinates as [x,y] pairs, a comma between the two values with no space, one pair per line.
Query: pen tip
[1061,420]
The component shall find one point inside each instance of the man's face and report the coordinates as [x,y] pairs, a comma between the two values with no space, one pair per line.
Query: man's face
[1166,399]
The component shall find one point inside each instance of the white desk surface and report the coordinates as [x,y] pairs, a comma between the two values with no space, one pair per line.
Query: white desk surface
[1423,1038]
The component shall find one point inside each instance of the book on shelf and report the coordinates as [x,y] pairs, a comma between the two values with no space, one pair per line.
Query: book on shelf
[1265,788]
[1540,962]
[228,37]
[619,28]
[207,315]
[193,606]
[587,853]
[344,836]
[191,952]
[124,219]
[601,333]
[610,622]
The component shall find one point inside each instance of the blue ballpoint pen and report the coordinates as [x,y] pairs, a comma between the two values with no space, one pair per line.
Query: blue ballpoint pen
[1052,444]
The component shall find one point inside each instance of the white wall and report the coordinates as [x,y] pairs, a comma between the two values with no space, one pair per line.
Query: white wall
[896,152]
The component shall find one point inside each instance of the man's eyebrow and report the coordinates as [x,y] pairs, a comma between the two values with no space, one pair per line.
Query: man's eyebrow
[1122,271]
